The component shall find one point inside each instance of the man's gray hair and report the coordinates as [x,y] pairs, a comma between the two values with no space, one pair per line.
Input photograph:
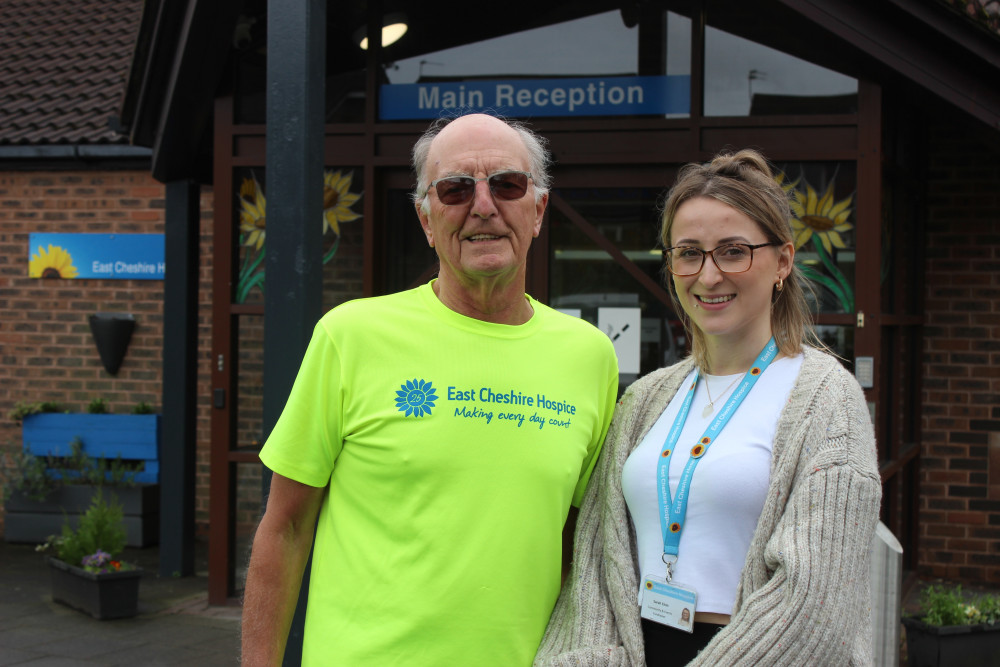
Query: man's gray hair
[539,160]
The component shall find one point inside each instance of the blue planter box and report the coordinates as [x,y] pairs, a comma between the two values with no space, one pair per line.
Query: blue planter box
[133,437]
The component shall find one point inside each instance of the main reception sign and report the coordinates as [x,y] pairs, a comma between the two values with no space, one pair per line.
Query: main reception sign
[523,98]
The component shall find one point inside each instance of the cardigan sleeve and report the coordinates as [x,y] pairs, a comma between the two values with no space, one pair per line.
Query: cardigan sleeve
[813,601]
[583,629]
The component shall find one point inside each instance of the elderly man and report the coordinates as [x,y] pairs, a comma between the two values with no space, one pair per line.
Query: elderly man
[436,438]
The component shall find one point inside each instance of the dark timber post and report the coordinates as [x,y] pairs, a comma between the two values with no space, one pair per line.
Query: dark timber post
[296,34]
[182,230]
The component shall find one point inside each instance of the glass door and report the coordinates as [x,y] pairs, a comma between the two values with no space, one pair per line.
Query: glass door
[603,263]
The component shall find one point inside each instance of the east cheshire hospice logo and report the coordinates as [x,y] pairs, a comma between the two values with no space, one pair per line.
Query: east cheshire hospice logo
[416,397]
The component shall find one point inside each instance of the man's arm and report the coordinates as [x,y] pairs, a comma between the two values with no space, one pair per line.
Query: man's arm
[280,551]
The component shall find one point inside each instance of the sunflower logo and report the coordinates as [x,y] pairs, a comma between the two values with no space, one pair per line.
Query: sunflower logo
[675,527]
[666,453]
[416,397]
[52,263]
[697,451]
[755,370]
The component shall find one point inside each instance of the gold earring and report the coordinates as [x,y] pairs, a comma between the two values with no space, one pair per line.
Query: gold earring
[780,284]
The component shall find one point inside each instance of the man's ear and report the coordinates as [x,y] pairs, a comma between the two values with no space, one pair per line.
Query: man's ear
[424,221]
[540,205]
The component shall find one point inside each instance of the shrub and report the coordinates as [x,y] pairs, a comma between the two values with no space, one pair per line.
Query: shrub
[100,531]
[22,409]
[942,606]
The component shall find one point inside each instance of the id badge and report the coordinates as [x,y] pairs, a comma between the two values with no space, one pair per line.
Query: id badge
[669,604]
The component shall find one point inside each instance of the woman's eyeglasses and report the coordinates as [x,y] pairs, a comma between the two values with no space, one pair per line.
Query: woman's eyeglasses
[456,190]
[686,260]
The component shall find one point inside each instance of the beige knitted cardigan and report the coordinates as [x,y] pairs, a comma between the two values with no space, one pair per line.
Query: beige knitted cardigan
[803,596]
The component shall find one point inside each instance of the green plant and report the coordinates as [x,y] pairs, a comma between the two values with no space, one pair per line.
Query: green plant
[82,468]
[22,409]
[943,606]
[142,408]
[27,474]
[36,477]
[98,406]
[98,539]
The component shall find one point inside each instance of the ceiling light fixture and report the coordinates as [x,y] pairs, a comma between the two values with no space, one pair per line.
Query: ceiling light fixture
[394,26]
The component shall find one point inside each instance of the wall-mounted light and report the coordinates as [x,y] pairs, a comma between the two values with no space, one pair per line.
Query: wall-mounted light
[393,27]
[112,333]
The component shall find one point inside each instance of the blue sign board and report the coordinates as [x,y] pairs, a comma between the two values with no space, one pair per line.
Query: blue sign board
[522,98]
[110,256]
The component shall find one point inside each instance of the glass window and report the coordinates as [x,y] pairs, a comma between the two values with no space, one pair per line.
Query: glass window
[743,78]
[585,280]
[409,261]
[822,198]
[342,193]
[599,44]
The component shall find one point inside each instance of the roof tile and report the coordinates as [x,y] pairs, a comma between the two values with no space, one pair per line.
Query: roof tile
[63,64]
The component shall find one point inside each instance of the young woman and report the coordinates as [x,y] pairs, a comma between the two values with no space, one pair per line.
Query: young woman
[742,480]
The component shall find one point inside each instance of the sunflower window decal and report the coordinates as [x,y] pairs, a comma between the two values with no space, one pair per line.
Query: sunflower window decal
[338,201]
[819,222]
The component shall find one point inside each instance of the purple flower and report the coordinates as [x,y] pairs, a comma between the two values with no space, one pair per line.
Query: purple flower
[96,559]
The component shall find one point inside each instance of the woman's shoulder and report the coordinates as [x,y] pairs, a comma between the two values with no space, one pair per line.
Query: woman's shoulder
[828,397]
[825,372]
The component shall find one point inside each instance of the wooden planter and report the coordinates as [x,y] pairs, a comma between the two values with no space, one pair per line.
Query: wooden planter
[951,645]
[133,437]
[33,521]
[102,595]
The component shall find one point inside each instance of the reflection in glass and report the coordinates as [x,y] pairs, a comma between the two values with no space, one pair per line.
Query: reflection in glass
[599,44]
[409,261]
[840,339]
[584,278]
[743,78]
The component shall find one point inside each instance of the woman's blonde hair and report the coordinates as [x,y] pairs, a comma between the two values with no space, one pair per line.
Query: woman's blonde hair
[744,181]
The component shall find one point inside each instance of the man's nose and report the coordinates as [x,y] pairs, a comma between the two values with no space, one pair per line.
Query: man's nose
[482,200]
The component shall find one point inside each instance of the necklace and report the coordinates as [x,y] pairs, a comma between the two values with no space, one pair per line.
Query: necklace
[710,408]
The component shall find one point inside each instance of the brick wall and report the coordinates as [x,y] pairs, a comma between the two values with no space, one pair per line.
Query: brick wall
[960,467]
[47,352]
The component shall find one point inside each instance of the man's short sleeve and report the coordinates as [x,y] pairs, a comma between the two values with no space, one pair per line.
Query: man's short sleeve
[307,439]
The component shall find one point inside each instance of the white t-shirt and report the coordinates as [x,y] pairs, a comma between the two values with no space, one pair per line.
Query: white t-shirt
[728,488]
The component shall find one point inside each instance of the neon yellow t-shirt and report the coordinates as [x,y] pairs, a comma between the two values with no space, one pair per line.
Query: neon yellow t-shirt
[452,448]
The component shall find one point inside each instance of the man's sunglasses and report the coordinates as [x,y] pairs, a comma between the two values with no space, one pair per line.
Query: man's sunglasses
[457,190]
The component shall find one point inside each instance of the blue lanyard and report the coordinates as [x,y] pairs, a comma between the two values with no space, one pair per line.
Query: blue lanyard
[674,510]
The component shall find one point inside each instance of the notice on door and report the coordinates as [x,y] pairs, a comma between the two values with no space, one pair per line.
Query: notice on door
[623,326]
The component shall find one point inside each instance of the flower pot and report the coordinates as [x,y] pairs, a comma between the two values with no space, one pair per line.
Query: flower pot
[951,645]
[103,595]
